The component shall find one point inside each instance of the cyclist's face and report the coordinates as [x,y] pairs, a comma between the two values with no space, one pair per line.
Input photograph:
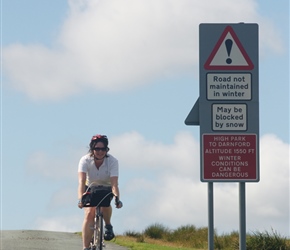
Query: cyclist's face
[100,150]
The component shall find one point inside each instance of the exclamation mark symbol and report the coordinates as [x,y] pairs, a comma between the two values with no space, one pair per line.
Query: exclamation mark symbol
[229,45]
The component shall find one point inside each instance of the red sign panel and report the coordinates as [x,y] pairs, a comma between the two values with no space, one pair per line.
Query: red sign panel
[229,157]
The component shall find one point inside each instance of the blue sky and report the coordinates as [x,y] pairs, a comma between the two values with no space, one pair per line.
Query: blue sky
[129,69]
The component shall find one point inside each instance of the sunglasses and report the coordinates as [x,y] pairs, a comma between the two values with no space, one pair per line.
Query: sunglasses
[100,149]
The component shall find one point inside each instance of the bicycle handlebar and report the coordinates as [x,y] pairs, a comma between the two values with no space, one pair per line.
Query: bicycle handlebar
[91,200]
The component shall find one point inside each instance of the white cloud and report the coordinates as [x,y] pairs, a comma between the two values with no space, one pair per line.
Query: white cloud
[61,165]
[179,155]
[268,200]
[63,198]
[175,196]
[115,45]
[161,183]
[66,223]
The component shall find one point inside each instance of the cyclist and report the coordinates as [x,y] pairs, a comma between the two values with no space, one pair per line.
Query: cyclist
[100,168]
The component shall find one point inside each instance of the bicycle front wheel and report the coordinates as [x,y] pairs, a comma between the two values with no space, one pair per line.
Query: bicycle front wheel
[100,233]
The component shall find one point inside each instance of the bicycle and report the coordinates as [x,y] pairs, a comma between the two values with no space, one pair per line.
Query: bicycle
[98,196]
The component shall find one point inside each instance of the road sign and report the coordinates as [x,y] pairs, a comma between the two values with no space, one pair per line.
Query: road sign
[230,157]
[227,111]
[229,53]
[229,100]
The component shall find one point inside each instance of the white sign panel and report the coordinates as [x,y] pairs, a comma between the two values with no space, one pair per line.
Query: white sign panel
[232,117]
[233,86]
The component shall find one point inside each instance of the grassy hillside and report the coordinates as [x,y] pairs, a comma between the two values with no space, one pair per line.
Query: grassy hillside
[159,237]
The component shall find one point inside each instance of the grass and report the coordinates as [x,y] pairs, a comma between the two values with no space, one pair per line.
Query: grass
[159,237]
[266,240]
[148,243]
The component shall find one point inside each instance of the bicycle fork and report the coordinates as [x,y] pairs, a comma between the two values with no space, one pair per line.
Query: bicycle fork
[97,242]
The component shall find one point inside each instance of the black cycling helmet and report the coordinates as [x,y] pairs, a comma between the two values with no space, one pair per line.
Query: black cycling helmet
[99,138]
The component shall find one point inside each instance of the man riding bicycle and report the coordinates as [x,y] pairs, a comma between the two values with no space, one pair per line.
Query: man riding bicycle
[101,169]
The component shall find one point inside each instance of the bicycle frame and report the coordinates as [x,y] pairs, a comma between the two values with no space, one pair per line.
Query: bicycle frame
[97,242]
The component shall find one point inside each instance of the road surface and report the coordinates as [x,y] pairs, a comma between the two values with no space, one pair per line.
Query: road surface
[44,240]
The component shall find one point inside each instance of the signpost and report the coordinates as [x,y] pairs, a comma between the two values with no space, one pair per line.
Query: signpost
[228,110]
[229,98]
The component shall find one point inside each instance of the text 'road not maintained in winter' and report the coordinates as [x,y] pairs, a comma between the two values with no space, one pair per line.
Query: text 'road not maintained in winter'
[233,86]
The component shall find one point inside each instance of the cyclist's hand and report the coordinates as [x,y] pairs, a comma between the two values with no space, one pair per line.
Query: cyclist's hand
[118,203]
[80,204]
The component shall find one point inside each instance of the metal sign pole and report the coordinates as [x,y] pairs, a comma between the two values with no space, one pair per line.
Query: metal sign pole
[242,196]
[210,217]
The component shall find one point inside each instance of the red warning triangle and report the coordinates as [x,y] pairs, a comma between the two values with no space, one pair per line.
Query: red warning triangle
[229,54]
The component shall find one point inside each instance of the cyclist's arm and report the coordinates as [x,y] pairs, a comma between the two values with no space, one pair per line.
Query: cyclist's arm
[82,182]
[115,186]
[116,192]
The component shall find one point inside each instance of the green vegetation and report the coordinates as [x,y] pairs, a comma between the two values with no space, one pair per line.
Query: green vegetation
[267,241]
[159,237]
